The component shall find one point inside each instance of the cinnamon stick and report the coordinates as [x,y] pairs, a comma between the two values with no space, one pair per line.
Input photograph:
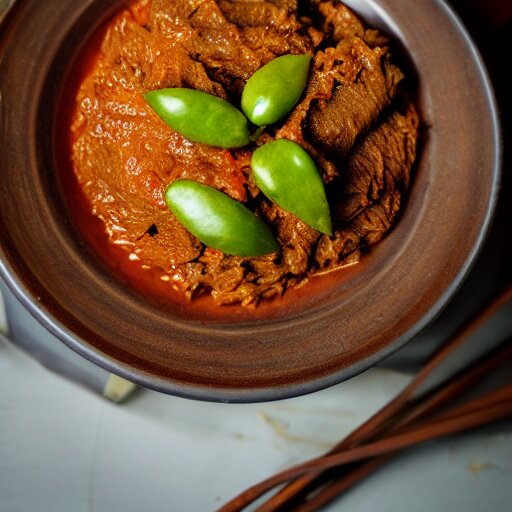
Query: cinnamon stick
[388,415]
[451,391]
[371,427]
[439,428]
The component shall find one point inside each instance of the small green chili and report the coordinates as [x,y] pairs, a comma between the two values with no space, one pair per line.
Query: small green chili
[219,221]
[288,176]
[275,89]
[200,117]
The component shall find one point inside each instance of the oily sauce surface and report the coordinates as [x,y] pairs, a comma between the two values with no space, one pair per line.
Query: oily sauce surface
[116,157]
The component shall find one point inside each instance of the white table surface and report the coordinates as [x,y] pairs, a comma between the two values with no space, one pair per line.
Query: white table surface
[62,448]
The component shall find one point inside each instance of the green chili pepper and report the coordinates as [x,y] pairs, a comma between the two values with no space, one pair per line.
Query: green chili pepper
[200,117]
[275,88]
[219,221]
[288,176]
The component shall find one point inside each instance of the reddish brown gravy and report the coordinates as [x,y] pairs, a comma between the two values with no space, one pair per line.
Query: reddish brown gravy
[147,282]
[310,293]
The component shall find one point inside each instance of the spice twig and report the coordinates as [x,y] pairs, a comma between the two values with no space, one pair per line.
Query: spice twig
[428,406]
[399,412]
[441,427]
[500,397]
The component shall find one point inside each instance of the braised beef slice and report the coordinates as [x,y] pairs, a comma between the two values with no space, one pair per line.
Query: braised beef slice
[231,39]
[254,13]
[125,156]
[339,23]
[201,29]
[376,179]
[288,6]
[381,163]
[245,280]
[369,84]
[269,26]
[326,70]
[294,236]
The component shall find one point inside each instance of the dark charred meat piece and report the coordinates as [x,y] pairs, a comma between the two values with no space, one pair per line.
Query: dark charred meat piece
[339,23]
[369,84]
[376,180]
[295,238]
[231,39]
[352,118]
[234,279]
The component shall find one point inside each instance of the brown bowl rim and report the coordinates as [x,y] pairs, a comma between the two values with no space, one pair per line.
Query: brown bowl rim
[256,394]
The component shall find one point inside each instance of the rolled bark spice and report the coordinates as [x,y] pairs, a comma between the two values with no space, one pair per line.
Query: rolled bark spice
[405,411]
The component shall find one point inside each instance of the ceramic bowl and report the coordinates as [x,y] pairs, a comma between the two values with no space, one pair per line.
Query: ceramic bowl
[326,335]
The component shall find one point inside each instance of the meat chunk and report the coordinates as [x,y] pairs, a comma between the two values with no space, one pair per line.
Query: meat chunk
[231,39]
[254,13]
[294,236]
[245,280]
[348,119]
[375,182]
[369,84]
[341,24]
[326,70]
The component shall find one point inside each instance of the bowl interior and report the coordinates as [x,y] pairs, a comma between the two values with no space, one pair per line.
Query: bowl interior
[333,328]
